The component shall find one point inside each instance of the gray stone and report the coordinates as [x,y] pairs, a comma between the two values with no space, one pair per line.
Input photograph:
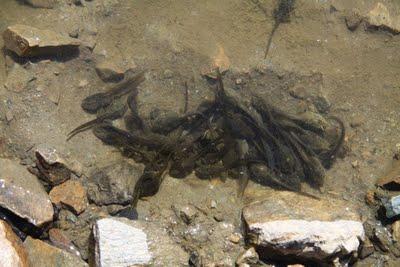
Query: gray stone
[42,3]
[28,41]
[248,256]
[12,251]
[186,212]
[121,242]
[392,206]
[276,226]
[22,193]
[114,184]
[41,254]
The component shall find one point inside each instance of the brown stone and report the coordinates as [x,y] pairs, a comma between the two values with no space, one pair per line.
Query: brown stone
[23,194]
[392,177]
[41,254]
[28,41]
[12,251]
[381,17]
[59,239]
[396,231]
[72,194]
[109,71]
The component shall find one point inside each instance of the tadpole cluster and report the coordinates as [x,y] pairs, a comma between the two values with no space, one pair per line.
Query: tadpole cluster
[248,140]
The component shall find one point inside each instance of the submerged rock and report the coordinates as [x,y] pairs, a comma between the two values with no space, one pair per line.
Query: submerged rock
[55,167]
[42,3]
[380,17]
[109,71]
[22,193]
[392,206]
[28,41]
[18,78]
[12,251]
[120,242]
[317,231]
[72,194]
[41,254]
[114,184]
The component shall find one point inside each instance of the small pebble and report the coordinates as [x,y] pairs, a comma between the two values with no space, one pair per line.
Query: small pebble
[213,204]
[9,116]
[83,83]
[168,74]
[238,81]
[235,238]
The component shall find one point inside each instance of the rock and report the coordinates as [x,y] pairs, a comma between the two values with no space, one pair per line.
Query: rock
[396,231]
[28,41]
[382,238]
[392,206]
[353,20]
[380,17]
[121,242]
[235,238]
[18,79]
[22,193]
[366,249]
[109,71]
[12,251]
[186,213]
[114,184]
[72,194]
[42,3]
[55,167]
[248,256]
[277,227]
[9,115]
[41,254]
[168,74]
[59,239]
[392,177]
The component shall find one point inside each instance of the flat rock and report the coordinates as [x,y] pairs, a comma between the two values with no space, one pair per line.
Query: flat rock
[288,224]
[72,194]
[23,194]
[41,254]
[12,251]
[380,17]
[18,78]
[121,242]
[114,183]
[42,3]
[28,41]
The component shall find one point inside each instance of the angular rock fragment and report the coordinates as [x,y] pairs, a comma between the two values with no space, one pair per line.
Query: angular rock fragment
[22,193]
[392,206]
[12,251]
[42,3]
[109,71]
[41,254]
[114,184]
[18,79]
[380,17]
[59,239]
[54,167]
[28,41]
[249,257]
[72,194]
[353,20]
[298,227]
[120,242]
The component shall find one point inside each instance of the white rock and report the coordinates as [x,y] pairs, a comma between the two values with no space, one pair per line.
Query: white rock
[311,239]
[288,224]
[119,244]
[12,252]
